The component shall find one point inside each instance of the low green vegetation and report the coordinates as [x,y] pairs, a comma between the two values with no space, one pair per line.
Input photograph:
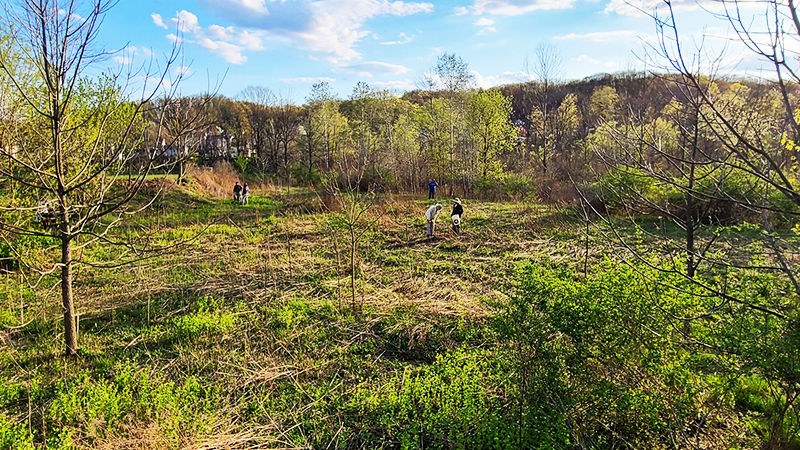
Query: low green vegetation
[245,336]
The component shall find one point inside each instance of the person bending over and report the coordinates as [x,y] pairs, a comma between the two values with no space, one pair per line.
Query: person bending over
[430,215]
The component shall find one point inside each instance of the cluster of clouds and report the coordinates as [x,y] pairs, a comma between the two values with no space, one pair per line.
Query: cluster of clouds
[510,7]
[329,29]
[326,29]
[229,43]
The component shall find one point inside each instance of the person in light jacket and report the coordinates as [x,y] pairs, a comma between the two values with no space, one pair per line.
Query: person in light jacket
[430,215]
[245,194]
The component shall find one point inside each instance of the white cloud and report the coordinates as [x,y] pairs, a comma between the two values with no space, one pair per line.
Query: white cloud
[175,38]
[599,36]
[394,85]
[366,69]
[255,6]
[646,7]
[308,80]
[183,71]
[185,21]
[229,43]
[330,28]
[323,28]
[514,7]
[158,20]
[231,53]
[489,81]
[129,54]
[402,38]
[336,25]
[586,59]
[251,40]
[460,10]
[221,33]
[487,25]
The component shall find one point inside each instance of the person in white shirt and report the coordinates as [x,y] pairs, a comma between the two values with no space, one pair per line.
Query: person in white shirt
[431,214]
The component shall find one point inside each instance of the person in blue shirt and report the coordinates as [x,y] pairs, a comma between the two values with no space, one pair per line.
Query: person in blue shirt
[432,189]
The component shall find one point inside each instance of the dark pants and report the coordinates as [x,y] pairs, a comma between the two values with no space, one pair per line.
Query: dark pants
[431,193]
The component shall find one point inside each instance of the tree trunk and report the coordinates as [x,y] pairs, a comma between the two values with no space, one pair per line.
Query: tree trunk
[181,170]
[70,333]
[544,130]
[310,141]
[691,204]
[352,268]
[452,150]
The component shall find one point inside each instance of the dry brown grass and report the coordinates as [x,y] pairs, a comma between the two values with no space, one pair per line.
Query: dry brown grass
[142,436]
[217,182]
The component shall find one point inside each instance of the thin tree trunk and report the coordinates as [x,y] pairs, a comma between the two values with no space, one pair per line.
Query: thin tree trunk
[353,268]
[452,151]
[70,333]
[691,204]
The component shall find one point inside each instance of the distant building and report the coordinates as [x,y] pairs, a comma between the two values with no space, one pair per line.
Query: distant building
[521,132]
[215,145]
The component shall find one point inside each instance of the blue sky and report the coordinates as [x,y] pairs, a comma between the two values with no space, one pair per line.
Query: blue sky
[286,45]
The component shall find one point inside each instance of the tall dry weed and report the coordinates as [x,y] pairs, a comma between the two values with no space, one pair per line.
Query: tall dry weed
[218,181]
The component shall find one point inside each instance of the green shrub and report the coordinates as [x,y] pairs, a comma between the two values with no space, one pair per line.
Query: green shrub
[301,175]
[587,347]
[24,245]
[623,188]
[97,408]
[241,163]
[378,179]
[518,186]
[206,319]
[14,436]
[459,401]
[719,196]
[614,352]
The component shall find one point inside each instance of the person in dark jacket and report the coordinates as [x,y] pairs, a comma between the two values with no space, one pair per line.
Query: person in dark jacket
[458,211]
[432,189]
[237,192]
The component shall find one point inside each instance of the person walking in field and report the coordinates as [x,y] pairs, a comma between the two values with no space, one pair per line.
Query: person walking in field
[455,216]
[237,192]
[432,189]
[431,215]
[245,194]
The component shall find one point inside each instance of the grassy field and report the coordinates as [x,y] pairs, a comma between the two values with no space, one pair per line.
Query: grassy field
[246,335]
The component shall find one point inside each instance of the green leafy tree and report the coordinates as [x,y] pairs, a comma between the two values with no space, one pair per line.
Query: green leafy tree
[603,105]
[489,119]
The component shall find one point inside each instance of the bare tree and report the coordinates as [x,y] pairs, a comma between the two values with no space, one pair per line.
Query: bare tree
[82,137]
[285,122]
[453,76]
[177,123]
[547,68]
[721,132]
[352,209]
[747,140]
[260,100]
[320,95]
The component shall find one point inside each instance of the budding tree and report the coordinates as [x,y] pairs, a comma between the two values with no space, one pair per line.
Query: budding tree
[75,157]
